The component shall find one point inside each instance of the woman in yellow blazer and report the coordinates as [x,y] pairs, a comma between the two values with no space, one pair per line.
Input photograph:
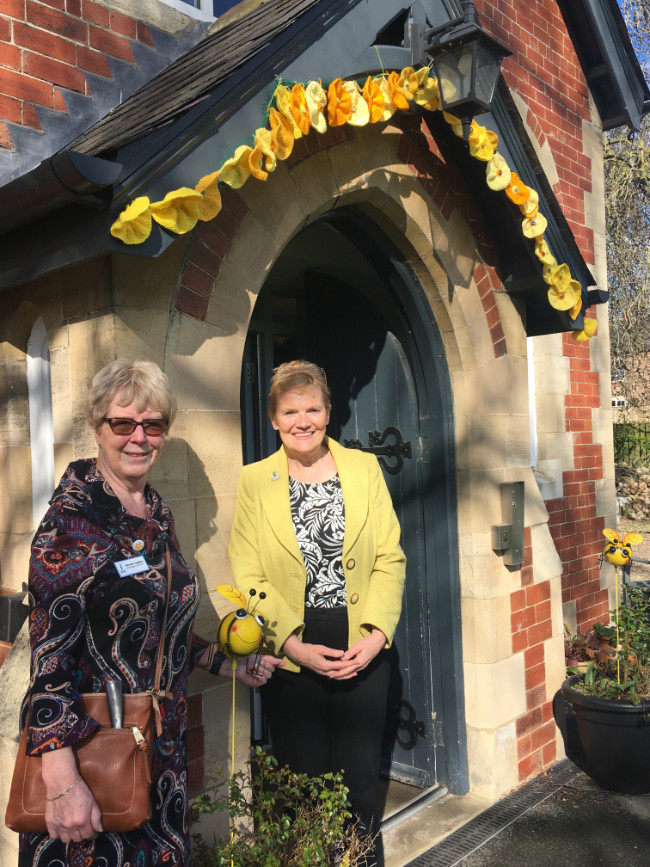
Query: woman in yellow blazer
[315,530]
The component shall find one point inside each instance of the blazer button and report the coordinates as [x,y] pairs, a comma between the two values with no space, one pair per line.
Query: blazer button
[354,599]
[351,563]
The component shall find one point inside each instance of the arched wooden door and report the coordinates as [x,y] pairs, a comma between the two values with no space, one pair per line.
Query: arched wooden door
[312,307]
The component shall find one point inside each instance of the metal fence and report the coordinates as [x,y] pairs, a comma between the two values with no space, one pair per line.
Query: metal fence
[632,443]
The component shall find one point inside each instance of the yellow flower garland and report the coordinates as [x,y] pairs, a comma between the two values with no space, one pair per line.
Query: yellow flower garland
[302,108]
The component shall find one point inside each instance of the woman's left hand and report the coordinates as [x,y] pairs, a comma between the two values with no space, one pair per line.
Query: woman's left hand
[361,654]
[255,670]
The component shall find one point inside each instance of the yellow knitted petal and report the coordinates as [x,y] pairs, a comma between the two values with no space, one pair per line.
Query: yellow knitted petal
[389,106]
[428,94]
[299,109]
[587,332]
[408,82]
[316,102]
[283,102]
[281,134]
[531,205]
[497,173]
[561,277]
[533,227]
[455,123]
[133,226]
[577,307]
[374,99]
[360,114]
[236,170]
[179,210]
[264,141]
[211,204]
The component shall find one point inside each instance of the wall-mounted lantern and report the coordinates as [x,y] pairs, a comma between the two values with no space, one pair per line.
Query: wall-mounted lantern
[466,61]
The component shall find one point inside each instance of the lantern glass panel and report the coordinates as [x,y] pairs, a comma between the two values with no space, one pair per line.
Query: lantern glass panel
[487,74]
[455,74]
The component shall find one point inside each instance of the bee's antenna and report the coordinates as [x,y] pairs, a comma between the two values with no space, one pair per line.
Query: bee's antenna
[262,596]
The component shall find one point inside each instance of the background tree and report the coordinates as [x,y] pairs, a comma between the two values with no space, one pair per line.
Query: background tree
[627,201]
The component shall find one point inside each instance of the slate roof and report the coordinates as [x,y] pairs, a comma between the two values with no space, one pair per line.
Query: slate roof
[215,60]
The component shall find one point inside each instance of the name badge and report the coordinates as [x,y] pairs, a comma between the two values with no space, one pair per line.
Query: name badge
[132,566]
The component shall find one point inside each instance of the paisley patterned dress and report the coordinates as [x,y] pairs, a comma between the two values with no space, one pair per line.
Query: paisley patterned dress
[88,625]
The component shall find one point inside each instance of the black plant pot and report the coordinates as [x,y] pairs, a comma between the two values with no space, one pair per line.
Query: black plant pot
[615,737]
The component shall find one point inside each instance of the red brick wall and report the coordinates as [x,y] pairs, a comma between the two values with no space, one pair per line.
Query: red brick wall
[544,70]
[47,46]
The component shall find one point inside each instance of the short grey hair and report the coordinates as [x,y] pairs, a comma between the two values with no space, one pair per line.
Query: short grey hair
[139,382]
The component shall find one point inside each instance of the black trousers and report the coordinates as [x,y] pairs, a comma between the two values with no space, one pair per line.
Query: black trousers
[319,725]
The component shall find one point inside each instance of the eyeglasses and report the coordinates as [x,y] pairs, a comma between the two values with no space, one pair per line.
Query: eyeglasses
[124,427]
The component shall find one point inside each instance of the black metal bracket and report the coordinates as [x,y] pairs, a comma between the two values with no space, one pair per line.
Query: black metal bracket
[377,445]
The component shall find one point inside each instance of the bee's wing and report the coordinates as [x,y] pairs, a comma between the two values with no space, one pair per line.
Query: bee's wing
[632,539]
[232,593]
[612,535]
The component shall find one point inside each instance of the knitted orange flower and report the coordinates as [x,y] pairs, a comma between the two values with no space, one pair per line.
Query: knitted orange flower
[299,109]
[516,190]
[339,103]
[374,99]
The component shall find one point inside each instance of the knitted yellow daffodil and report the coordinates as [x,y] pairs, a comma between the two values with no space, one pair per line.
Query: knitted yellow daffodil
[339,103]
[565,292]
[179,210]
[587,332]
[374,99]
[482,143]
[427,94]
[549,262]
[534,227]
[316,103]
[236,170]
[263,158]
[133,226]
[389,106]
[211,205]
[282,96]
[360,113]
[517,191]
[497,173]
[281,134]
[408,83]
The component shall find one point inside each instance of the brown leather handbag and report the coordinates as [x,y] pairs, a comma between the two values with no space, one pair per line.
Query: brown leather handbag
[115,763]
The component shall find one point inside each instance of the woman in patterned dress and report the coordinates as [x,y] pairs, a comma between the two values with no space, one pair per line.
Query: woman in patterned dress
[91,622]
[315,530]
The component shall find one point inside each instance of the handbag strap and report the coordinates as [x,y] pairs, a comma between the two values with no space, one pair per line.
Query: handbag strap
[156,693]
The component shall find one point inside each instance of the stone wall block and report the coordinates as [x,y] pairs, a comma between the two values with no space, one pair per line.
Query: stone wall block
[495,694]
[492,761]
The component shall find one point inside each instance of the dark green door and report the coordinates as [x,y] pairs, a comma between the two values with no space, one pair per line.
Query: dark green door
[305,312]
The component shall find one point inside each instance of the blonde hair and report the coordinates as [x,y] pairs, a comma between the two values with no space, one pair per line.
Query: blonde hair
[297,374]
[139,382]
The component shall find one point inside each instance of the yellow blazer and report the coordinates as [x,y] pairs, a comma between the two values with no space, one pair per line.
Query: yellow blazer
[264,551]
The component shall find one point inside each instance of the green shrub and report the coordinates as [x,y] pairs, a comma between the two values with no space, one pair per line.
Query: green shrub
[280,819]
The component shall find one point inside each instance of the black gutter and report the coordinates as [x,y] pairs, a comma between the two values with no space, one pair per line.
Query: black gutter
[63,179]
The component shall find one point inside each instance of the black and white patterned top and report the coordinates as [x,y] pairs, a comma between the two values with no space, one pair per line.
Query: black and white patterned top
[318,514]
